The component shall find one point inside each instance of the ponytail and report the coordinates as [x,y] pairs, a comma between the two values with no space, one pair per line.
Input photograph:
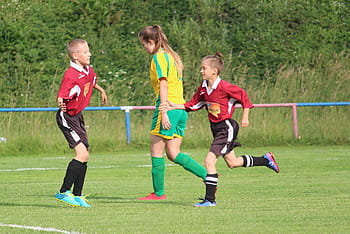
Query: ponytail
[156,34]
[215,61]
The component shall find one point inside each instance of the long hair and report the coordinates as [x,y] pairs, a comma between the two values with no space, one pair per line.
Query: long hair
[215,61]
[156,34]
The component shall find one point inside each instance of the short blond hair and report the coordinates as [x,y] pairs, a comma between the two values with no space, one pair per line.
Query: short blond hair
[73,48]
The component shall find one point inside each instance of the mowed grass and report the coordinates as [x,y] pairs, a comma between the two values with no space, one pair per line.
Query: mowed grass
[310,195]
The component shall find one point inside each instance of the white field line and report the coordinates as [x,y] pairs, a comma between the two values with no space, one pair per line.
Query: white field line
[55,168]
[168,165]
[37,228]
[47,168]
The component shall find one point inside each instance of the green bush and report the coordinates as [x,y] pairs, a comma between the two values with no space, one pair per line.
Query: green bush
[257,38]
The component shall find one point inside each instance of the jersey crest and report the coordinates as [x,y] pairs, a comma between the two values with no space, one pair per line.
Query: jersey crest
[86,88]
[214,108]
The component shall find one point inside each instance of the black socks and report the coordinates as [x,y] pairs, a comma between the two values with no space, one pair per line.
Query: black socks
[75,174]
[211,182]
[251,161]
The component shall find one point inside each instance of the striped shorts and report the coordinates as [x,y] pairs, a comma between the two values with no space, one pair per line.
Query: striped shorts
[225,135]
[73,128]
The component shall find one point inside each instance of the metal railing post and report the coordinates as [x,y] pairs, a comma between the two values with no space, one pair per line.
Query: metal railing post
[295,121]
[127,123]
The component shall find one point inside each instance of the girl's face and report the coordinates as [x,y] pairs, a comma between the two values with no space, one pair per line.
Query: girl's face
[148,46]
[83,55]
[208,72]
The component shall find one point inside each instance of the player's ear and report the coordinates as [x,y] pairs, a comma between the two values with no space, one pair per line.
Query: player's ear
[74,55]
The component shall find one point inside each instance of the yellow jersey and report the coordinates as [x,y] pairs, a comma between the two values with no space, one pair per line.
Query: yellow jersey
[163,65]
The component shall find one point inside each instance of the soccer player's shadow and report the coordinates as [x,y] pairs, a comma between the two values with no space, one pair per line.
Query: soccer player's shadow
[9,204]
[107,199]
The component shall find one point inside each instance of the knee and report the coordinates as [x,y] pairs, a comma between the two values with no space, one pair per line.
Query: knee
[208,163]
[171,154]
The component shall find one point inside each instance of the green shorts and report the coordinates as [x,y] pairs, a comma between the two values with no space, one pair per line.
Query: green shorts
[177,118]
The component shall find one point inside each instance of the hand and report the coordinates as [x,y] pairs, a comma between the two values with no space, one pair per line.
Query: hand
[165,121]
[167,106]
[245,123]
[163,107]
[61,104]
[170,105]
[104,98]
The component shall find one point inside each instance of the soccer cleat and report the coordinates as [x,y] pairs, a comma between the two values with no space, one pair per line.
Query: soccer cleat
[272,162]
[205,203]
[67,197]
[82,201]
[153,196]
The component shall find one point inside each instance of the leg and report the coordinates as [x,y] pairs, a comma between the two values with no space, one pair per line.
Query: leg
[232,161]
[76,169]
[78,186]
[74,131]
[75,174]
[173,148]
[267,160]
[211,181]
[81,153]
[158,164]
[158,169]
[174,154]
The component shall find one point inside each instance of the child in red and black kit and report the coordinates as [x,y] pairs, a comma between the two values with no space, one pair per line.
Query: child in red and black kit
[74,95]
[219,98]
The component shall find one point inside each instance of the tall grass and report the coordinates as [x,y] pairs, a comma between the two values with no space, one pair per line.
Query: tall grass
[36,132]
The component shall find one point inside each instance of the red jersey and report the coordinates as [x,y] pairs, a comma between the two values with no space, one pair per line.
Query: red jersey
[219,101]
[76,87]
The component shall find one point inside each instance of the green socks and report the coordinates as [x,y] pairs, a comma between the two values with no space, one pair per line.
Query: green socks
[158,170]
[191,165]
[158,173]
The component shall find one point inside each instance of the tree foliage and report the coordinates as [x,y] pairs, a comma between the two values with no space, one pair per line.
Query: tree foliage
[257,38]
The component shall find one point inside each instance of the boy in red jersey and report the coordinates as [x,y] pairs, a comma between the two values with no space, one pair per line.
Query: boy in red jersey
[219,98]
[74,95]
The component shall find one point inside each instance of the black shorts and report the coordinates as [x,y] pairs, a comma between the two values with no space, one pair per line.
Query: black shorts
[225,135]
[73,128]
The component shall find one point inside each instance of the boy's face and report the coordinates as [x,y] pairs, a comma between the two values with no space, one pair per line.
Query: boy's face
[148,46]
[82,54]
[208,72]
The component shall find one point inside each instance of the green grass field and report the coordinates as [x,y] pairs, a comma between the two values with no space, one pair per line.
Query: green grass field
[310,195]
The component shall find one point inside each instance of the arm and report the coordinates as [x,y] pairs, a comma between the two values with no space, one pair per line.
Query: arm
[171,106]
[61,104]
[163,92]
[103,93]
[242,97]
[245,117]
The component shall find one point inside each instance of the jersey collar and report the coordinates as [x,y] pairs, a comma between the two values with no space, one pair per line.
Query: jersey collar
[215,85]
[79,68]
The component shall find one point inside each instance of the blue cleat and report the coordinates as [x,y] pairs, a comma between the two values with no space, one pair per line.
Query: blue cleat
[272,162]
[205,203]
[82,201]
[67,197]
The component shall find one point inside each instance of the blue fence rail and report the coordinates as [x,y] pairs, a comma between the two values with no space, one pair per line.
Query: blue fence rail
[127,109]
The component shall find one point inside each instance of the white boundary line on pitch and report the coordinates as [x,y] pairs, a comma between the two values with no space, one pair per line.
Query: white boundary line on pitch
[47,169]
[168,165]
[55,168]
[37,228]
